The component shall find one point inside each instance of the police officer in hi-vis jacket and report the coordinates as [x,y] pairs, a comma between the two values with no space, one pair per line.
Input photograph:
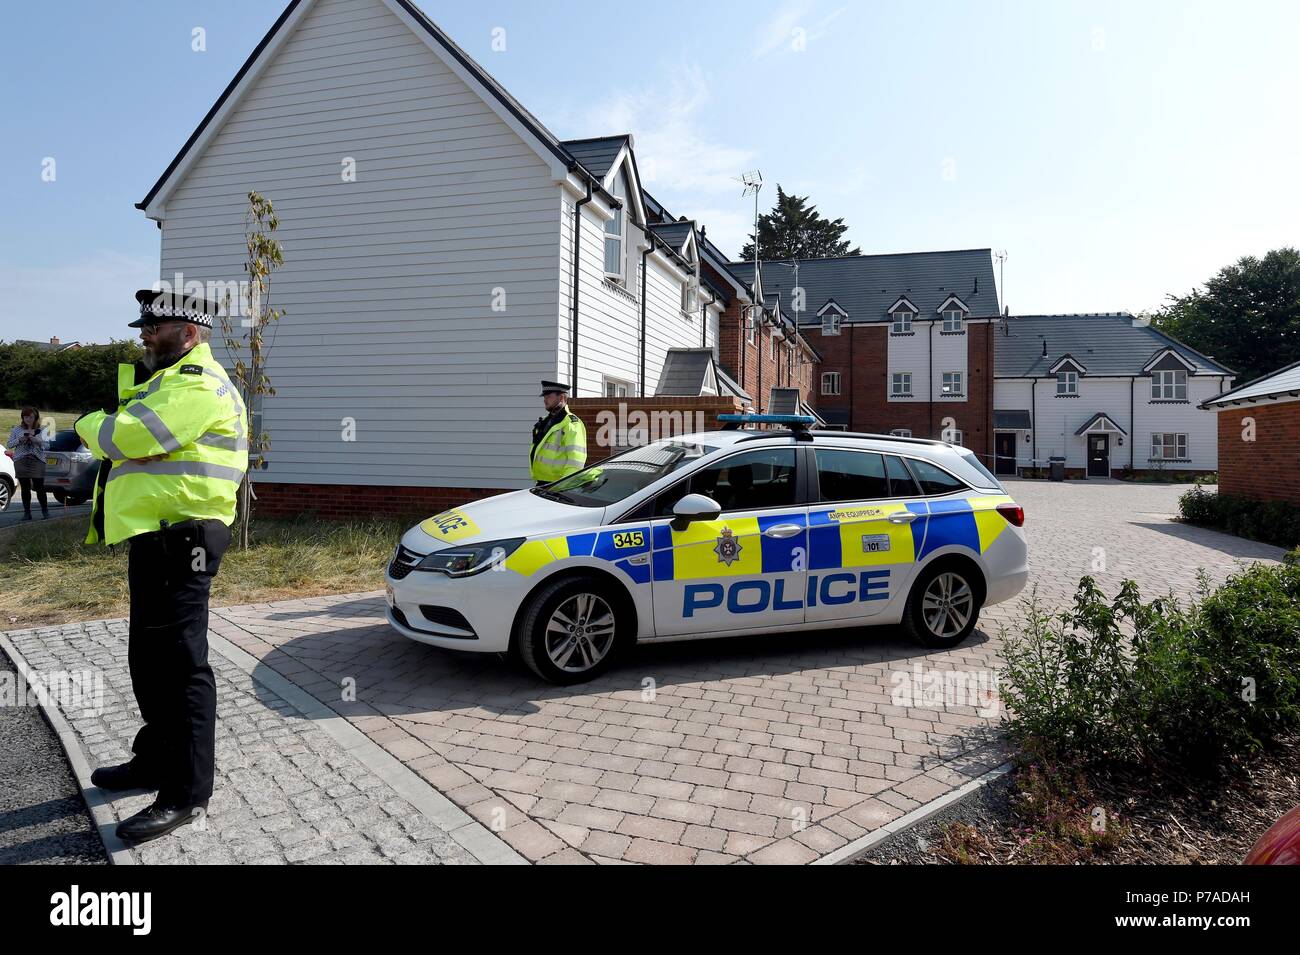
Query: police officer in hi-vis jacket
[559,437]
[174,453]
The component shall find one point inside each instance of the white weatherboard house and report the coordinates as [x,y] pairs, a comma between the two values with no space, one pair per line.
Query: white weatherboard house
[429,293]
[1106,392]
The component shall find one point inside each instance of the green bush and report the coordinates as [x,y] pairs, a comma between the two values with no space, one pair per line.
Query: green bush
[73,379]
[1272,522]
[1159,682]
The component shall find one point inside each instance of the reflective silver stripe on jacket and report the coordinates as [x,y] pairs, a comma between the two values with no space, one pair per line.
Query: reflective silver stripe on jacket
[111,450]
[161,433]
[214,440]
[177,469]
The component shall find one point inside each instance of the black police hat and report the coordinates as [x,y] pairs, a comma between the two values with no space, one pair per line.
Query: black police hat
[553,386]
[174,306]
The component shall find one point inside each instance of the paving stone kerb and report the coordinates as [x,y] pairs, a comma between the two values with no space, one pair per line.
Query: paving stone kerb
[770,750]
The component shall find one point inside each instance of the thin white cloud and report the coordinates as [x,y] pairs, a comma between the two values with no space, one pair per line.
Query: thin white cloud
[89,301]
[792,28]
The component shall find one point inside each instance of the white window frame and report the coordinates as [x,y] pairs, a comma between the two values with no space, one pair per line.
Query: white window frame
[900,384]
[613,386]
[1169,384]
[830,383]
[690,299]
[1067,382]
[957,379]
[954,320]
[831,323]
[902,323]
[620,215]
[1179,445]
[901,432]
[955,436]
[751,327]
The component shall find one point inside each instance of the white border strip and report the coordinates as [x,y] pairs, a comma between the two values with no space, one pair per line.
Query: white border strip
[95,798]
[864,844]
[472,835]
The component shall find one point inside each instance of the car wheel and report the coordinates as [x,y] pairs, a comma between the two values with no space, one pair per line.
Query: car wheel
[571,631]
[944,605]
[6,493]
[75,499]
[58,496]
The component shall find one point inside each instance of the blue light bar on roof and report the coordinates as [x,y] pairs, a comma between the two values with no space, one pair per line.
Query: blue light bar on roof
[768,418]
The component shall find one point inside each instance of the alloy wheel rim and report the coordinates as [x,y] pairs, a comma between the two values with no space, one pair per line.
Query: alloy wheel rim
[946,604]
[580,633]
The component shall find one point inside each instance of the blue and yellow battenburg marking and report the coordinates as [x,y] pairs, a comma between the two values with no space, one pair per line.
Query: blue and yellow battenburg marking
[834,537]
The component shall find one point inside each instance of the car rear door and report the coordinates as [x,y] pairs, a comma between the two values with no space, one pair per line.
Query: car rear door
[865,531]
[748,567]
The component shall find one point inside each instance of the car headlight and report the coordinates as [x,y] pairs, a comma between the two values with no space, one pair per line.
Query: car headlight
[469,559]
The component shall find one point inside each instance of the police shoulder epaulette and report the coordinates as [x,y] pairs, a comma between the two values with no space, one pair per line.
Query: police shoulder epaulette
[191,369]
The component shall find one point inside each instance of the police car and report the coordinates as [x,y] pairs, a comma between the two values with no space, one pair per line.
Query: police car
[713,534]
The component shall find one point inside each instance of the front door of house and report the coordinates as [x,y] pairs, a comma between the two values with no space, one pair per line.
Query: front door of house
[1004,449]
[1098,455]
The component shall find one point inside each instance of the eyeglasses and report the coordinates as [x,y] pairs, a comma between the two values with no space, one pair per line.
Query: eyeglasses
[151,328]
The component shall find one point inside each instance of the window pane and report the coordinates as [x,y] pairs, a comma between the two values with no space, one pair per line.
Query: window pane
[614,256]
[934,480]
[901,483]
[851,475]
[739,483]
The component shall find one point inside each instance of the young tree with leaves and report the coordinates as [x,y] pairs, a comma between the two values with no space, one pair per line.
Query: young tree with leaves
[795,230]
[249,376]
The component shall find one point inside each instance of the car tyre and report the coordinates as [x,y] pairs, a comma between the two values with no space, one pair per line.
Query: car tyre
[6,492]
[572,630]
[944,605]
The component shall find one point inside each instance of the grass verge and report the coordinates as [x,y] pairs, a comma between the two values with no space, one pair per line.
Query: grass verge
[48,576]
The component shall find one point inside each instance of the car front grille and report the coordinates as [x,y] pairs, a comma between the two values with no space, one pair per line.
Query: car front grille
[404,561]
[447,617]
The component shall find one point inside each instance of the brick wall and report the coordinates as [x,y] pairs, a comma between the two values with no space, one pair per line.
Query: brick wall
[609,419]
[1266,468]
[346,501]
[860,353]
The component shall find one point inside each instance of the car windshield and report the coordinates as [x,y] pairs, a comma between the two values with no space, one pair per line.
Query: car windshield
[620,477]
[65,441]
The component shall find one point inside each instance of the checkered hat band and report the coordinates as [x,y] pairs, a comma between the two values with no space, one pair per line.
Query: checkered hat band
[157,310]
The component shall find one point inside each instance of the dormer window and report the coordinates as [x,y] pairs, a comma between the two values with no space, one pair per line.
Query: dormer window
[1169,385]
[616,234]
[1067,382]
[831,323]
[953,320]
[902,323]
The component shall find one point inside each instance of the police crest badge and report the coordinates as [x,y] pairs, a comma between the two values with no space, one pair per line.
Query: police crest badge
[727,548]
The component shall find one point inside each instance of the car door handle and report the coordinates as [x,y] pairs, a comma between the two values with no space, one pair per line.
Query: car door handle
[783,530]
[903,517]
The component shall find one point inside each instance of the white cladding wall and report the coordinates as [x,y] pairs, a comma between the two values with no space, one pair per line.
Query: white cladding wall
[1059,417]
[389,281]
[911,353]
[609,325]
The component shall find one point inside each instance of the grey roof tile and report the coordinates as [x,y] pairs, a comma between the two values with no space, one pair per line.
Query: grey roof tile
[1105,344]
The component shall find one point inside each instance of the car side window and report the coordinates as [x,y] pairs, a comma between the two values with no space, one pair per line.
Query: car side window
[851,475]
[901,482]
[935,480]
[742,482]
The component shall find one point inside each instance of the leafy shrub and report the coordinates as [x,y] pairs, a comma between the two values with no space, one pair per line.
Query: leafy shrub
[1273,522]
[1158,682]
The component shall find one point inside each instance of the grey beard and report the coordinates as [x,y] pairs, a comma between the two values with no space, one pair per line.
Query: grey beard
[155,360]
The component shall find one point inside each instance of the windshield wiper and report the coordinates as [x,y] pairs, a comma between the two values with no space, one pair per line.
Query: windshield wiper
[552,495]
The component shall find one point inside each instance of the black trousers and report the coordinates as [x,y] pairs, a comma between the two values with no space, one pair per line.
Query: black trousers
[29,484]
[170,574]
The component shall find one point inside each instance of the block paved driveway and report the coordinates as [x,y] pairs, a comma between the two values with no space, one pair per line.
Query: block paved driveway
[773,749]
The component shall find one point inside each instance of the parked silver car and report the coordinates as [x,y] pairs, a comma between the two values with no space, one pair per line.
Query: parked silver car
[70,470]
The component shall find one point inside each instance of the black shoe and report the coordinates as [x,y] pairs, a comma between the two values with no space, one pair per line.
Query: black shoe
[27,515]
[158,820]
[124,776]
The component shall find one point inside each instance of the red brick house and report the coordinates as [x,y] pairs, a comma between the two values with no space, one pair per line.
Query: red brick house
[1259,437]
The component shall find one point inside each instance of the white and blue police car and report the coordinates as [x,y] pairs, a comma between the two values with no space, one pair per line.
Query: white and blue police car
[718,533]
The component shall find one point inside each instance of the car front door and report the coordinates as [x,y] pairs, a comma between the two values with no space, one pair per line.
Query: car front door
[747,568]
[863,533]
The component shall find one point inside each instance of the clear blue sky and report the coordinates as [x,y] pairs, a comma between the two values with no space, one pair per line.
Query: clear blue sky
[1118,151]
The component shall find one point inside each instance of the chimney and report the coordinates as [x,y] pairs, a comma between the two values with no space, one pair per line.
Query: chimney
[1044,347]
[54,339]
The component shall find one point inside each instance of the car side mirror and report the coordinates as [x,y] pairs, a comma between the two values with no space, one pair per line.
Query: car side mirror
[695,507]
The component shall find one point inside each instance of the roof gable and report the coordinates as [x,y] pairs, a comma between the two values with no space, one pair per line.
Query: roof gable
[505,106]
[1067,362]
[1166,359]
[1109,344]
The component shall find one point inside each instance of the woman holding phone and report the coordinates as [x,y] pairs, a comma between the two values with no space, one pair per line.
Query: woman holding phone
[27,443]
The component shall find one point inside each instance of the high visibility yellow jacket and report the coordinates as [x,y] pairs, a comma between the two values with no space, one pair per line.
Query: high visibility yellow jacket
[562,451]
[190,416]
